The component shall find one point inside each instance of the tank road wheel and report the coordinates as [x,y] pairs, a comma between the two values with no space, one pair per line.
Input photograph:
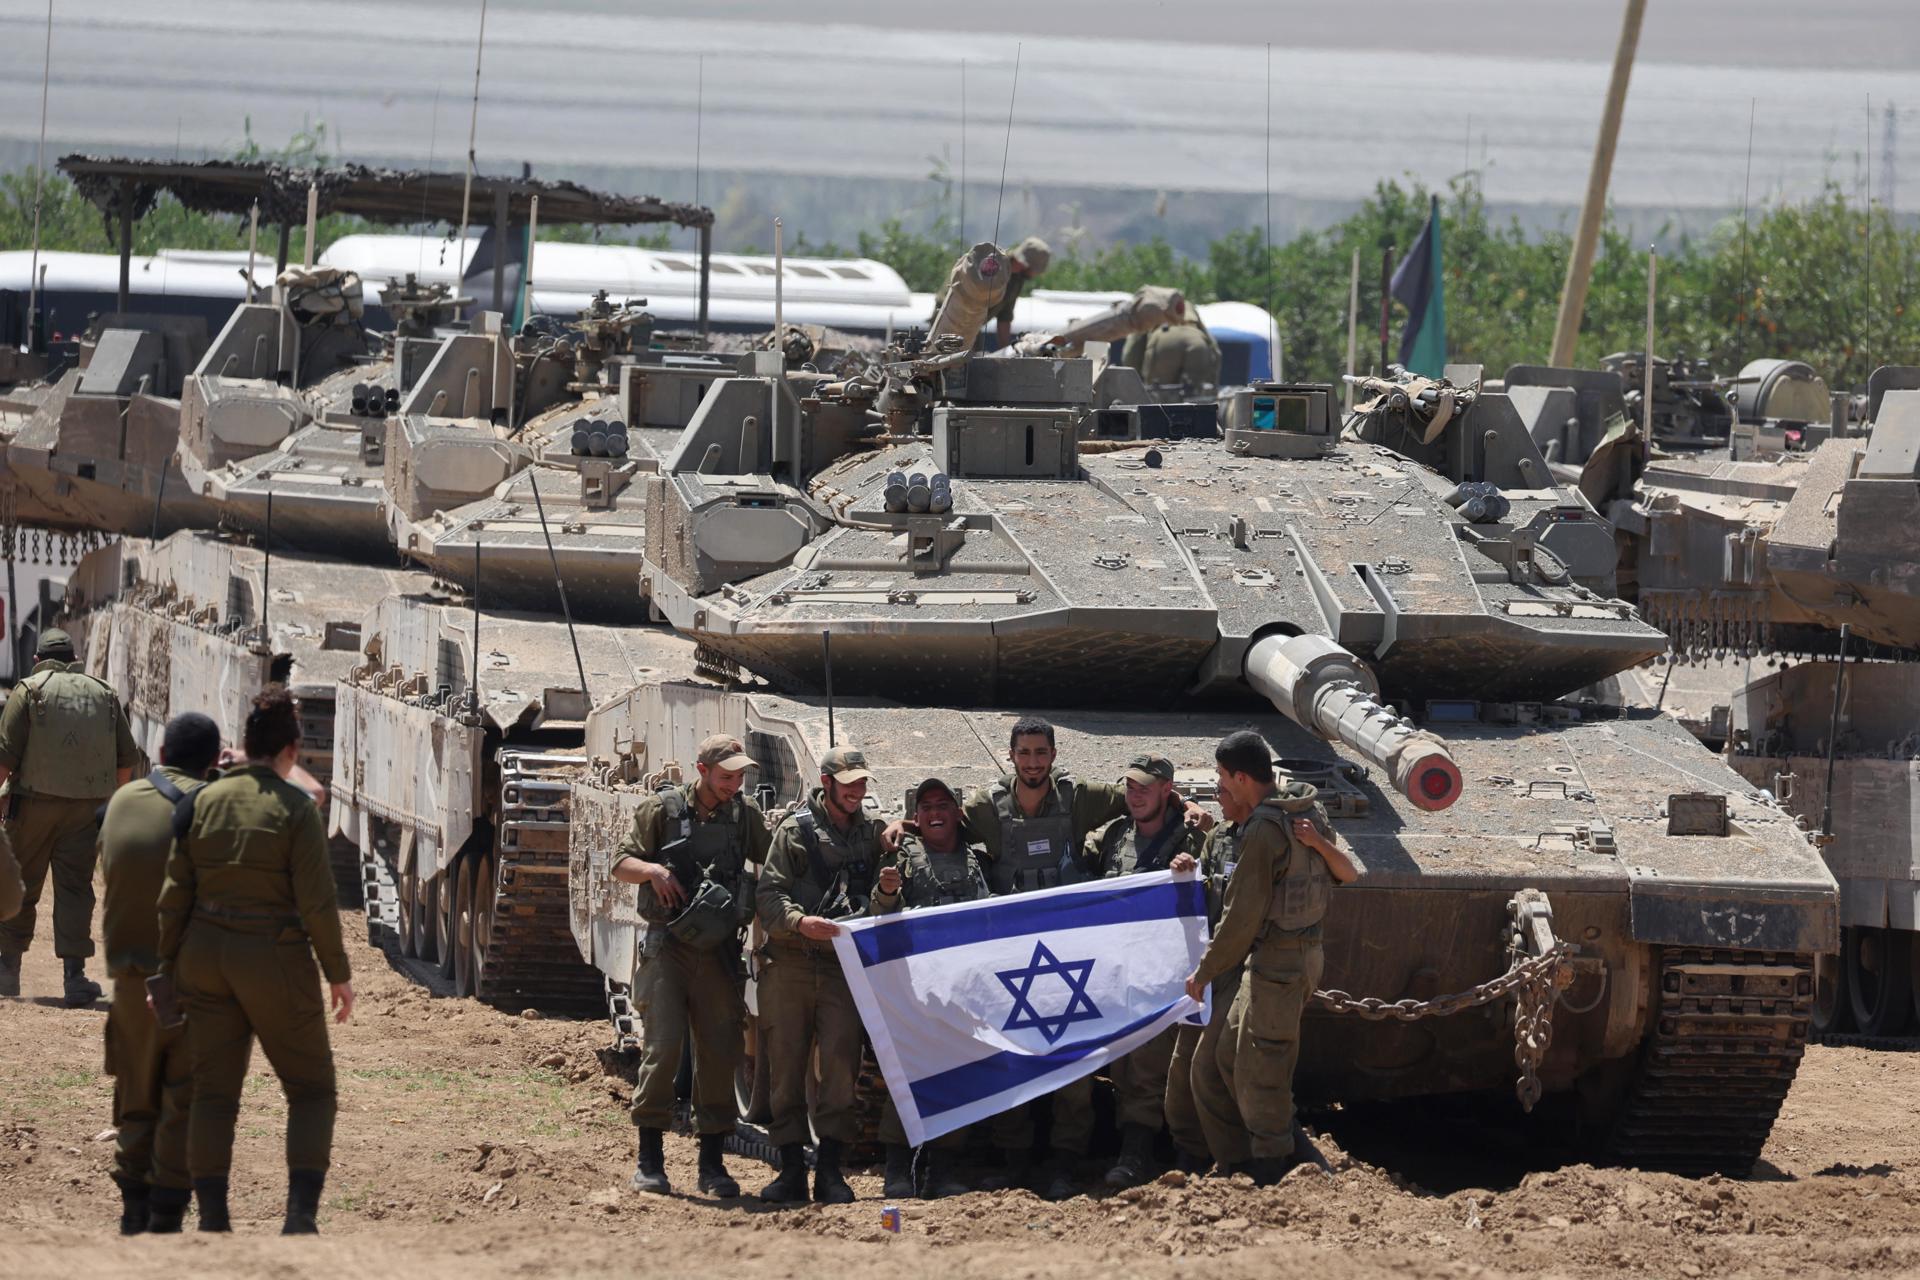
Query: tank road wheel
[1878,974]
[463,930]
[406,890]
[483,895]
[426,908]
[751,1083]
[1831,1016]
[445,925]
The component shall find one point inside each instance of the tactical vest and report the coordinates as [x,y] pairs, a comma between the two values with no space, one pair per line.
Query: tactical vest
[713,855]
[1035,853]
[1299,896]
[843,891]
[71,747]
[936,879]
[1121,853]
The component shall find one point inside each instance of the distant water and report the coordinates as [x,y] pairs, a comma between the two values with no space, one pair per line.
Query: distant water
[578,84]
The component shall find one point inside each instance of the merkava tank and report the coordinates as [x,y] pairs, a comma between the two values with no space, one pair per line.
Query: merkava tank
[980,541]
[454,778]
[526,449]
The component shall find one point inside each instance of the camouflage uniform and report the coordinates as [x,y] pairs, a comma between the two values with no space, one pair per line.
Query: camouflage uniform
[153,1076]
[1185,1121]
[248,904]
[63,735]
[804,1001]
[1270,922]
[1116,849]
[931,880]
[1039,852]
[680,988]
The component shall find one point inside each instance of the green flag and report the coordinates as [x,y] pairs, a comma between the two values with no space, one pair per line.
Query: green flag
[1417,285]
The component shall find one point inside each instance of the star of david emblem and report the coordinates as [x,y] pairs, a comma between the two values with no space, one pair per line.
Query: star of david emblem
[1019,984]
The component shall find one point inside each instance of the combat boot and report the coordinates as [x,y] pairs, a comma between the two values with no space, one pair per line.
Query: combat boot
[714,1178]
[81,990]
[135,1206]
[1136,1157]
[791,1186]
[1056,1180]
[943,1175]
[303,1202]
[1193,1162]
[899,1183]
[1016,1167]
[650,1173]
[167,1209]
[9,975]
[211,1195]
[829,1184]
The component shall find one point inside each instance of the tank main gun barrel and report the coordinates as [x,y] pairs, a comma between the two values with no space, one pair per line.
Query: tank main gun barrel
[1329,692]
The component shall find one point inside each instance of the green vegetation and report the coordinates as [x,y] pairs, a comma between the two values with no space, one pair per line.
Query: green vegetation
[1794,282]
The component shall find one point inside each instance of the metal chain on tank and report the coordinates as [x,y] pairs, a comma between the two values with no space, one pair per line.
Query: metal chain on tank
[1539,967]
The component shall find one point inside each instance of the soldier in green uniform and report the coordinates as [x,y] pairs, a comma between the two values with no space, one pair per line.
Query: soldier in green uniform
[825,861]
[1285,868]
[11,890]
[64,747]
[938,865]
[1185,1121]
[248,905]
[152,1077]
[695,851]
[1151,837]
[1180,353]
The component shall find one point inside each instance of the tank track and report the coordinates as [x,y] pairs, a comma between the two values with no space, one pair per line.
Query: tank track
[1728,1037]
[531,959]
[1855,1040]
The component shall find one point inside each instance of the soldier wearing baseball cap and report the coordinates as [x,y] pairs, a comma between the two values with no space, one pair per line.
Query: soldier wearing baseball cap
[1152,836]
[825,861]
[695,851]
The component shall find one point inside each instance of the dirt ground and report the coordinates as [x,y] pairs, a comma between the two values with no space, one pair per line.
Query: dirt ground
[473,1141]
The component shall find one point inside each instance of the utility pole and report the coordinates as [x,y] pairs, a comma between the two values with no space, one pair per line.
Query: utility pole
[1573,298]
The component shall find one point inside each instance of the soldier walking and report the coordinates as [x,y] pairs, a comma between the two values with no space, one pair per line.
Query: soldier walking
[64,747]
[152,1075]
[1276,896]
[695,851]
[1151,837]
[937,865]
[248,904]
[824,862]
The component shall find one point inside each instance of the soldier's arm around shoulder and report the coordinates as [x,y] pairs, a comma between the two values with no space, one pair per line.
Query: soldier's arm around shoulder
[786,866]
[314,896]
[983,823]
[1097,803]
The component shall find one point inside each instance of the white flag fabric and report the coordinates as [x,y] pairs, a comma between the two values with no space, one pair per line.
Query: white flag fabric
[979,1006]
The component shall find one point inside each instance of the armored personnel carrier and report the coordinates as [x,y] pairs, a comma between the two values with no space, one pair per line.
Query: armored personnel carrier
[1406,609]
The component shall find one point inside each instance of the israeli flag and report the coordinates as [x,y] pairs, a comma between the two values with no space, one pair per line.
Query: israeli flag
[977,1007]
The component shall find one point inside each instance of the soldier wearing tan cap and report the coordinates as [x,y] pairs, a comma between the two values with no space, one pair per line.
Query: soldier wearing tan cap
[695,851]
[825,862]
[1153,835]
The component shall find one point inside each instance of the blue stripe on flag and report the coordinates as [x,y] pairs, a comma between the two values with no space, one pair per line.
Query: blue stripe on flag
[1008,1069]
[913,934]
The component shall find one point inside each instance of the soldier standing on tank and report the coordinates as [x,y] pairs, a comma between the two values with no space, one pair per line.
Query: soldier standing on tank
[1026,262]
[1284,871]
[249,903]
[64,747]
[1151,837]
[689,980]
[152,1076]
[825,861]
[939,865]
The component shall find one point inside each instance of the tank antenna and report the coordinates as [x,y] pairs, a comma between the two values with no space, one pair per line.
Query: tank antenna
[780,351]
[1866,255]
[1746,281]
[962,229]
[699,117]
[1833,734]
[253,244]
[473,126]
[1353,326]
[826,662]
[533,482]
[1646,377]
[1266,297]
[266,579]
[1006,147]
[39,177]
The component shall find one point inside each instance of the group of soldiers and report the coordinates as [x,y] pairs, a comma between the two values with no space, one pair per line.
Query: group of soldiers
[707,868]
[219,899]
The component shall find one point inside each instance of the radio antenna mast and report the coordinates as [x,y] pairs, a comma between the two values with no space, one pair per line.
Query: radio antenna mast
[473,127]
